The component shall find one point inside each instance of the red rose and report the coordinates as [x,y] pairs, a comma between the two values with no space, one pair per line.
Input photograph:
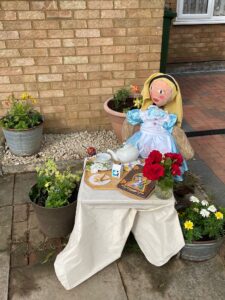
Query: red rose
[154,157]
[175,169]
[169,155]
[153,171]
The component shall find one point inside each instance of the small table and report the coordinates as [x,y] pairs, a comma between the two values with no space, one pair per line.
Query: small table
[103,222]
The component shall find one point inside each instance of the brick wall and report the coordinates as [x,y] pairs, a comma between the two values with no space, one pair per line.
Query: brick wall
[72,55]
[195,43]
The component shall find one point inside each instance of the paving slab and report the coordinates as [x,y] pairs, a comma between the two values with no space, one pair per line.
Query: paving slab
[6,190]
[4,275]
[23,184]
[178,279]
[40,282]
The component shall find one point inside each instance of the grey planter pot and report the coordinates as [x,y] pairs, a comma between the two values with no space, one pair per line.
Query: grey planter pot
[199,251]
[24,142]
[55,222]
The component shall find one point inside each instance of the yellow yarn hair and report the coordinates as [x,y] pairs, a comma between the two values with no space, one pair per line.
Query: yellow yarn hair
[173,107]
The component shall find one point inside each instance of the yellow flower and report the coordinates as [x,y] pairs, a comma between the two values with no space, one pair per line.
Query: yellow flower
[188,225]
[137,102]
[219,215]
[24,96]
[47,184]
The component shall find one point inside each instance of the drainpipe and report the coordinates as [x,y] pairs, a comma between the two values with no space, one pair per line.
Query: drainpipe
[167,18]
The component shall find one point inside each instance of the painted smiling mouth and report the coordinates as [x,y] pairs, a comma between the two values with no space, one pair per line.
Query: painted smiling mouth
[156,100]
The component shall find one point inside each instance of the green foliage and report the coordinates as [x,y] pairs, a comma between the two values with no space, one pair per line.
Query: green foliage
[120,97]
[202,221]
[21,114]
[55,185]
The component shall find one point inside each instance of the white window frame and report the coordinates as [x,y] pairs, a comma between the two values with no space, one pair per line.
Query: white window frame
[193,19]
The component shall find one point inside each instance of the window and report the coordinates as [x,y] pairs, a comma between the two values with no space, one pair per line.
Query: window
[200,12]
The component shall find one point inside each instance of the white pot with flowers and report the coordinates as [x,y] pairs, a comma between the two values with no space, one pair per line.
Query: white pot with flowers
[202,224]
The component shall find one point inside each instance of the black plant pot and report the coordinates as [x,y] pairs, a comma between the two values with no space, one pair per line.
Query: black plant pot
[56,222]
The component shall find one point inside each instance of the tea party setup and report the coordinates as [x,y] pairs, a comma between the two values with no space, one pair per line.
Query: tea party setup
[130,190]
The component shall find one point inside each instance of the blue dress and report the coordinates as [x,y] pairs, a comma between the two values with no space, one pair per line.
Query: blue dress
[155,131]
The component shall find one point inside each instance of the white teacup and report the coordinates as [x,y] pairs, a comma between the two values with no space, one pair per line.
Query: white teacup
[103,158]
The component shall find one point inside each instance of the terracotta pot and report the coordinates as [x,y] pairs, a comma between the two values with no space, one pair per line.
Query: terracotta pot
[116,119]
[199,251]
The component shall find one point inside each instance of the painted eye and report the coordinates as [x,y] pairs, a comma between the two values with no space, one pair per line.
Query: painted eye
[161,92]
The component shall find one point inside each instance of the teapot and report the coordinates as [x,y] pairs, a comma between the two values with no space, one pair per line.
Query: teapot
[127,153]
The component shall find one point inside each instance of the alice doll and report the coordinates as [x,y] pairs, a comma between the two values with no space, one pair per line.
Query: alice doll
[161,111]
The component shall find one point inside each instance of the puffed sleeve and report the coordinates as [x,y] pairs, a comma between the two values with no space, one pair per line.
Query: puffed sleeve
[170,122]
[134,116]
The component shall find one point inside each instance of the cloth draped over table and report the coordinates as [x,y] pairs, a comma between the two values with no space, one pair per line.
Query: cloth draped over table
[103,222]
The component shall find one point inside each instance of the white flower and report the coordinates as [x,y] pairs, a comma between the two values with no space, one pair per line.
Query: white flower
[212,208]
[194,199]
[205,203]
[205,213]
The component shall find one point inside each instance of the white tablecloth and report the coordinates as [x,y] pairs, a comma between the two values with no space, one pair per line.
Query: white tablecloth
[103,222]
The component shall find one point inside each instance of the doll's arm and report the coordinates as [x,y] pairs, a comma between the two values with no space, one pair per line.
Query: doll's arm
[170,122]
[134,117]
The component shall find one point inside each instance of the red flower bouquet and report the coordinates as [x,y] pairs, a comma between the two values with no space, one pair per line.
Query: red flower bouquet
[162,169]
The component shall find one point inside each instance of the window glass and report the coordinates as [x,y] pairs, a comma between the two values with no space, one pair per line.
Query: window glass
[195,6]
[219,8]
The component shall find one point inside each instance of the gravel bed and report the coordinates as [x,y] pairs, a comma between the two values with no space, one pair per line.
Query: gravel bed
[64,147]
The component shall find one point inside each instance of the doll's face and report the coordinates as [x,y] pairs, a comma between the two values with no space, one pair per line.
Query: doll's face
[160,92]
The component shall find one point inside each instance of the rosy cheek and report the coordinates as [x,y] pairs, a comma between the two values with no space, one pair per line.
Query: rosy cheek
[162,97]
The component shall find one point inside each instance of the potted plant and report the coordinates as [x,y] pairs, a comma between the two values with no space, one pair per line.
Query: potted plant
[117,106]
[22,125]
[203,228]
[162,168]
[54,197]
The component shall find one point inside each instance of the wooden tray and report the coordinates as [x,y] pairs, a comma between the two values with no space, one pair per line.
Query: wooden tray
[110,185]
